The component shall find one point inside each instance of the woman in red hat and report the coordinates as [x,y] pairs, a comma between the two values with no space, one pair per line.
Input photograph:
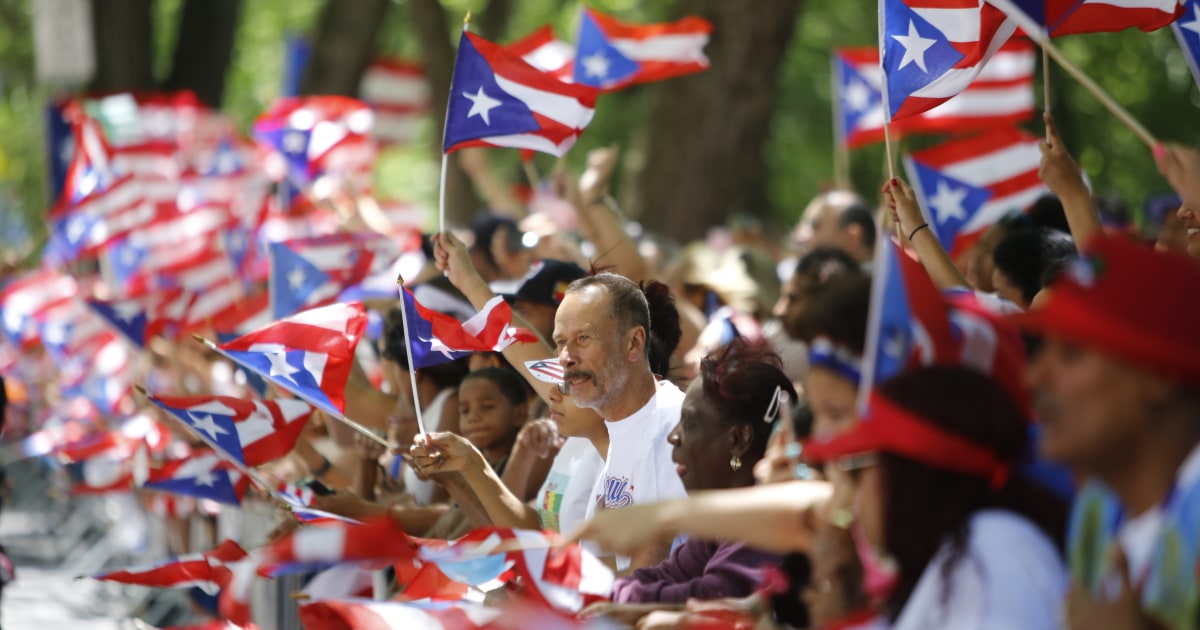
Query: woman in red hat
[969,544]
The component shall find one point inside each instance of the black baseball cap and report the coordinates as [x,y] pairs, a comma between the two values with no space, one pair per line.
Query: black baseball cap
[547,281]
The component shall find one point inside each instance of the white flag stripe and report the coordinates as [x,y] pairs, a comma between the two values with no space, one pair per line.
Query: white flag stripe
[1000,165]
[678,48]
[384,87]
[564,110]
[1166,6]
[994,209]
[550,56]
[956,80]
[319,543]
[958,25]
[532,142]
[978,101]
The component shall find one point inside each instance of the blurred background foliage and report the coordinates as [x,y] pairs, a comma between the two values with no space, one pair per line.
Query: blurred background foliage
[1145,72]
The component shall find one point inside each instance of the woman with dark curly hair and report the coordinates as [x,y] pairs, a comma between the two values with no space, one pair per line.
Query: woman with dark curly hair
[967,543]
[726,419]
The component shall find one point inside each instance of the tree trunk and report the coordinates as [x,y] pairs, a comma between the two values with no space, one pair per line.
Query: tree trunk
[432,27]
[124,36]
[204,49]
[345,45]
[707,132]
[492,21]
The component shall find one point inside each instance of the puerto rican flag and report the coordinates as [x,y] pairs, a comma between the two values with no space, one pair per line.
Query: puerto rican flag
[1002,95]
[546,370]
[365,614]
[933,49]
[1187,32]
[312,272]
[29,296]
[308,354]
[542,50]
[128,205]
[398,93]
[612,55]
[907,321]
[208,571]
[1070,17]
[103,475]
[91,165]
[991,343]
[318,135]
[252,432]
[201,475]
[966,185]
[498,100]
[324,545]
[436,337]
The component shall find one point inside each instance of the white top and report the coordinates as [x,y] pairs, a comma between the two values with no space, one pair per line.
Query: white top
[422,490]
[562,501]
[1009,576]
[638,468]
[1137,535]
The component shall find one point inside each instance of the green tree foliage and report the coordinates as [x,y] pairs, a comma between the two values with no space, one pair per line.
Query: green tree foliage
[1146,72]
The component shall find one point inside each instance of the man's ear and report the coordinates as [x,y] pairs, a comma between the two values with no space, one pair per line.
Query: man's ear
[637,344]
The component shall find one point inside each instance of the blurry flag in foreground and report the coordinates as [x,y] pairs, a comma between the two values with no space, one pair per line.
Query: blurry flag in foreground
[206,570]
[1187,32]
[1071,17]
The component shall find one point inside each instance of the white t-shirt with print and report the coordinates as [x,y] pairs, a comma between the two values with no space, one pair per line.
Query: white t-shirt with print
[1009,576]
[638,468]
[562,501]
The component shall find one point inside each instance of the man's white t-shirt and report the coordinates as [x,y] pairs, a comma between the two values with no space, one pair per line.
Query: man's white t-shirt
[638,468]
[562,501]
[1009,576]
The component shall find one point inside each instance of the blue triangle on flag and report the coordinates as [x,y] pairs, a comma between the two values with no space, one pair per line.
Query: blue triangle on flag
[289,373]
[597,62]
[214,485]
[253,380]
[225,160]
[293,144]
[952,203]
[478,107]
[856,96]
[293,279]
[915,53]
[126,317]
[124,259]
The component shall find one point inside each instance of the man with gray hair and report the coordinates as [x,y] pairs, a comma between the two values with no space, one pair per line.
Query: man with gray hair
[602,334]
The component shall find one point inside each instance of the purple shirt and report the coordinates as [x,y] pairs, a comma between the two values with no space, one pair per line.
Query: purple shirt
[696,569]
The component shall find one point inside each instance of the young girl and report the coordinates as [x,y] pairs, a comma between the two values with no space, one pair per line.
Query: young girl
[491,409]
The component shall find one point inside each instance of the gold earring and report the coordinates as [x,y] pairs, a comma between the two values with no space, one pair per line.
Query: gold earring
[735,463]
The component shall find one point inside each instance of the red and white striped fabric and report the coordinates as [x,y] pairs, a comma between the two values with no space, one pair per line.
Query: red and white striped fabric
[209,570]
[327,544]
[1001,95]
[235,595]
[219,300]
[103,475]
[148,159]
[250,313]
[651,52]
[253,431]
[1071,17]
[1004,160]
[542,50]
[30,295]
[398,93]
[130,204]
[372,615]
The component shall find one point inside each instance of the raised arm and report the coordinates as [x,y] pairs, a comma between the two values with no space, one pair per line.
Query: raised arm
[1181,166]
[770,518]
[1064,178]
[454,260]
[913,228]
[600,221]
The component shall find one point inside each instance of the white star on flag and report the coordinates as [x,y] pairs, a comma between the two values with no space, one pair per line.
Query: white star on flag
[596,65]
[206,423]
[1194,25]
[126,311]
[296,278]
[294,142]
[128,256]
[893,346]
[206,479]
[947,202]
[281,368]
[914,47]
[858,96]
[481,105]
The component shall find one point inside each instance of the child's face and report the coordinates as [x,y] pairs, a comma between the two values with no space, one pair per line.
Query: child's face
[486,418]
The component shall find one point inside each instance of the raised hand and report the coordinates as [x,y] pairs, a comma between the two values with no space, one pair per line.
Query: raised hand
[593,184]
[1058,169]
[906,212]
[540,437]
[439,453]
[1181,166]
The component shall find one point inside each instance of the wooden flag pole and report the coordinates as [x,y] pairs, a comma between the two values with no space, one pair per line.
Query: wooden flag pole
[1092,87]
[347,421]
[1046,86]
[412,368]
[841,155]
[446,156]
[891,169]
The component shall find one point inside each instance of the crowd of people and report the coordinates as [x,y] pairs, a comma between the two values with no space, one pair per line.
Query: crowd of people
[704,418]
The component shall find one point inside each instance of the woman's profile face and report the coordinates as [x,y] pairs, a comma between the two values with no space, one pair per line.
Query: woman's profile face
[832,399]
